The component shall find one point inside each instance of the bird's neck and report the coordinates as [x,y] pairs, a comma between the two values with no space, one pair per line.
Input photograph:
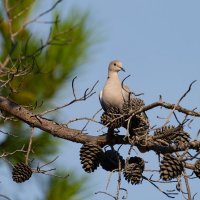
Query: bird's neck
[112,74]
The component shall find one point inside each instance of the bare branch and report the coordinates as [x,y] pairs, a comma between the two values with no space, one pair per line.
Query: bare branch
[29,146]
[168,106]
[5,197]
[48,163]
[168,194]
[6,154]
[88,93]
[73,90]
[8,133]
[106,193]
[74,135]
[187,185]
[36,18]
[177,104]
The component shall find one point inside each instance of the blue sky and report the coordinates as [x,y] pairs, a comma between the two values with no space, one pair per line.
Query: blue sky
[159,45]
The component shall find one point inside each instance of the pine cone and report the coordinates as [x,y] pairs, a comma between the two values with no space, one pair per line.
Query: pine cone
[169,131]
[134,168]
[197,168]
[90,155]
[110,160]
[139,125]
[174,135]
[112,120]
[182,139]
[134,105]
[170,167]
[21,172]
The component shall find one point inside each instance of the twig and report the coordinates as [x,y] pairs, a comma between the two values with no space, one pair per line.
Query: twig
[126,89]
[9,20]
[81,119]
[5,197]
[11,153]
[48,162]
[109,178]
[42,171]
[29,146]
[187,185]
[88,93]
[167,106]
[91,119]
[118,180]
[106,193]
[45,172]
[177,104]
[6,133]
[168,194]
[36,18]
[191,157]
[124,197]
[73,90]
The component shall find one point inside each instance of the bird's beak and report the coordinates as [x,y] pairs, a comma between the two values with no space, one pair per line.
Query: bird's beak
[123,69]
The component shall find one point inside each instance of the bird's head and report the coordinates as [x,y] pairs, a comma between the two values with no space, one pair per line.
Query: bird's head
[115,66]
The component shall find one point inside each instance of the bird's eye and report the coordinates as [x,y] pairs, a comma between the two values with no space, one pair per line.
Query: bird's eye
[115,64]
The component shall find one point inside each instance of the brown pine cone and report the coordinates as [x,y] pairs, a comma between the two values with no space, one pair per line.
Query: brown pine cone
[170,167]
[90,155]
[133,105]
[21,172]
[134,168]
[112,120]
[197,168]
[110,160]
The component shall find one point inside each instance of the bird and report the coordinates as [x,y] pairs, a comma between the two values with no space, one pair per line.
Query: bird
[114,94]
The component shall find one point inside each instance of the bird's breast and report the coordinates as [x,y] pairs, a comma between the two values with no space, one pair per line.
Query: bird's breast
[112,95]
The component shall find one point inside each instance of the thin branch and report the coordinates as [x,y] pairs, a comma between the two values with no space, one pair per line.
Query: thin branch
[92,119]
[29,146]
[36,18]
[167,106]
[5,154]
[106,193]
[81,119]
[6,133]
[118,180]
[168,194]
[73,90]
[88,93]
[48,162]
[187,185]
[177,104]
[5,197]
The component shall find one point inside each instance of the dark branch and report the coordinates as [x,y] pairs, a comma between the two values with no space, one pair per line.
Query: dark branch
[74,135]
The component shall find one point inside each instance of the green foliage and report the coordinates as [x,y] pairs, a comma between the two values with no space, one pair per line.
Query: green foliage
[38,69]
[43,145]
[66,189]
[35,71]
[47,63]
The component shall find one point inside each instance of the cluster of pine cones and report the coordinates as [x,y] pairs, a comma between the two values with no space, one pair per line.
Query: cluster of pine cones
[167,135]
[92,156]
[116,118]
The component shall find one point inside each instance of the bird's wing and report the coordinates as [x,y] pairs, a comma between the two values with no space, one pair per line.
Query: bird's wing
[101,100]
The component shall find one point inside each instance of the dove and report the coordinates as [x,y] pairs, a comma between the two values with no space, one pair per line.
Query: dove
[113,94]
